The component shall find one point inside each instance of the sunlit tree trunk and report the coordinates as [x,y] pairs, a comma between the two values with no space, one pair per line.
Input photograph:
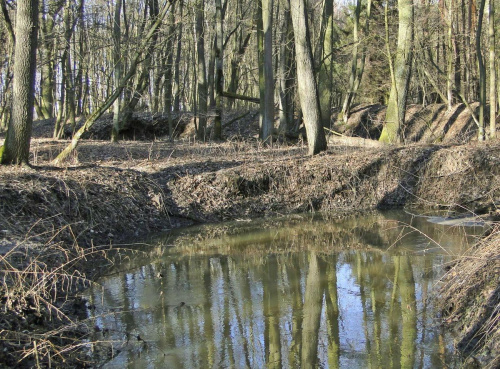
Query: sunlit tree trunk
[493,80]
[168,73]
[17,143]
[325,76]
[268,109]
[396,107]
[176,87]
[201,71]
[308,91]
[482,73]
[450,55]
[219,71]
[48,80]
[118,69]
[285,73]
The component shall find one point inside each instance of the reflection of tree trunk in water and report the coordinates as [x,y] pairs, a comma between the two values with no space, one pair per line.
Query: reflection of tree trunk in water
[207,321]
[167,324]
[361,281]
[241,312]
[332,310]
[248,309]
[377,295]
[312,314]
[271,315]
[293,274]
[425,288]
[408,311]
[394,314]
[228,348]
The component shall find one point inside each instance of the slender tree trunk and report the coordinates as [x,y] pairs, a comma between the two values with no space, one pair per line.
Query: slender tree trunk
[284,67]
[202,71]
[325,79]
[450,56]
[308,91]
[219,65]
[118,69]
[168,94]
[176,88]
[482,73]
[17,143]
[268,118]
[260,55]
[395,115]
[493,79]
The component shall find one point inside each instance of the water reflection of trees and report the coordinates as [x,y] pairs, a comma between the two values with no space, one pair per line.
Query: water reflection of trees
[283,310]
[301,293]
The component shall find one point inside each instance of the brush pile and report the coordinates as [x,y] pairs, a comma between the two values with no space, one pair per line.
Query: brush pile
[470,301]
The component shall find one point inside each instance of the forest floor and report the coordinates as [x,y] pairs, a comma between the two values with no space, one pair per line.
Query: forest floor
[58,224]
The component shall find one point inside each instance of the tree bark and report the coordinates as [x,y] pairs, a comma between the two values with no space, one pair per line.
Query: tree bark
[493,79]
[268,109]
[219,71]
[17,143]
[482,73]
[308,91]
[396,107]
[201,72]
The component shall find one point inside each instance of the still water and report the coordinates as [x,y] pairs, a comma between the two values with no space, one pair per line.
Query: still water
[298,292]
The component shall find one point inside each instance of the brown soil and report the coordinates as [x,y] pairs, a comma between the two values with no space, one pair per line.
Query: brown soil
[109,194]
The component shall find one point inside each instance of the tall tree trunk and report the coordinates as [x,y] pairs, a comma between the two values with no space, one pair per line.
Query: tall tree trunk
[325,79]
[118,69]
[268,118]
[482,73]
[202,71]
[176,88]
[219,65]
[395,115]
[493,79]
[450,66]
[284,72]
[169,73]
[17,143]
[308,91]
[47,83]
[260,55]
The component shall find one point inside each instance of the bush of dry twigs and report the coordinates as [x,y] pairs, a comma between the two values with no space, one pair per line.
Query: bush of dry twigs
[470,300]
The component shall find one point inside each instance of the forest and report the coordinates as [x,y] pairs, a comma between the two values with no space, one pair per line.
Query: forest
[120,119]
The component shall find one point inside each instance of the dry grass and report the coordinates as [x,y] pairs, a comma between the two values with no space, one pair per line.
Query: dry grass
[42,321]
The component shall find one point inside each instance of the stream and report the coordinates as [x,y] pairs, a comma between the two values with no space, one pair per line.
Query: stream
[302,291]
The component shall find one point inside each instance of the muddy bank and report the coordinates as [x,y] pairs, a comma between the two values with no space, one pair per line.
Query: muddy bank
[110,194]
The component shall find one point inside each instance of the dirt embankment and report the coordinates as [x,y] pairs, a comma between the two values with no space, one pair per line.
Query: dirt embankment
[112,193]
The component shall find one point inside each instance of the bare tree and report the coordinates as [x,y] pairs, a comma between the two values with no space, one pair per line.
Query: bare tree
[308,91]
